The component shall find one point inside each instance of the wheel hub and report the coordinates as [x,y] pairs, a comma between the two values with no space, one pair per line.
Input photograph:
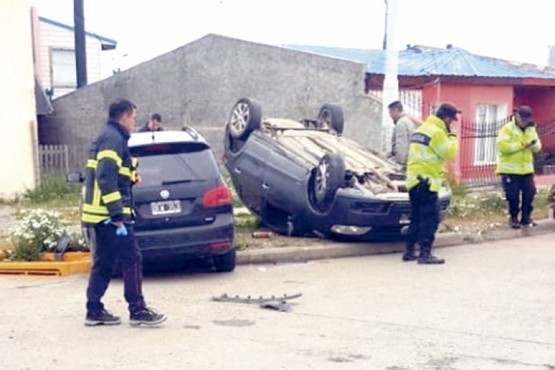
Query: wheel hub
[239,118]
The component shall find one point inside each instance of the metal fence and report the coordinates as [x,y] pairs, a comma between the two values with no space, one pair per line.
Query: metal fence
[478,151]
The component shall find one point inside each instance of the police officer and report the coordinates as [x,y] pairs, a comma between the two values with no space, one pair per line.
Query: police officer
[107,212]
[431,145]
[516,143]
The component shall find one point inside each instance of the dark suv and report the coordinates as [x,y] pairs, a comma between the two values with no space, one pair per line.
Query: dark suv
[183,209]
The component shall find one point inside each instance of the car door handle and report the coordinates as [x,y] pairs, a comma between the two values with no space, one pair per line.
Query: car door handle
[237,170]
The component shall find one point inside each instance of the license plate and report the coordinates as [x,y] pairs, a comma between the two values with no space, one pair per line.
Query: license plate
[167,207]
[404,219]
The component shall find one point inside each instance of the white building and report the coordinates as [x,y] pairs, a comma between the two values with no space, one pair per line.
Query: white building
[18,126]
[54,51]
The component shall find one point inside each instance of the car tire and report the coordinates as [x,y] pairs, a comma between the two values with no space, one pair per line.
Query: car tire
[331,117]
[245,117]
[329,176]
[225,262]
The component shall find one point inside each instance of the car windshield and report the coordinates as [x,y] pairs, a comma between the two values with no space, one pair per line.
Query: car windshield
[174,164]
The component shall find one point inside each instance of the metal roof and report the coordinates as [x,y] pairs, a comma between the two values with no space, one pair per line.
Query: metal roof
[431,62]
[102,39]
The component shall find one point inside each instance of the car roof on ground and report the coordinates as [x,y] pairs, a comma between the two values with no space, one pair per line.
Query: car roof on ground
[163,137]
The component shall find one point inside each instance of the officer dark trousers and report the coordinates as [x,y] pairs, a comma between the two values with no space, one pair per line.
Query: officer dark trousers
[425,217]
[514,186]
[109,248]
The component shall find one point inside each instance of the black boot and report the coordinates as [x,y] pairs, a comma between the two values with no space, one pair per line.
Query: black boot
[514,223]
[409,254]
[426,257]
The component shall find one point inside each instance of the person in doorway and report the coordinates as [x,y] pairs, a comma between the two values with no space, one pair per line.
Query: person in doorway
[402,132]
[431,145]
[153,124]
[107,213]
[516,144]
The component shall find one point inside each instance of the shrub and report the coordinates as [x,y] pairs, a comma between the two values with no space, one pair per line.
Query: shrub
[40,231]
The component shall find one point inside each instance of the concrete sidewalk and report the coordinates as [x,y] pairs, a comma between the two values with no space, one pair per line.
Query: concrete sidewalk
[341,249]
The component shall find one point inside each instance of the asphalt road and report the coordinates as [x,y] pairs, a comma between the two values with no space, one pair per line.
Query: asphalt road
[492,306]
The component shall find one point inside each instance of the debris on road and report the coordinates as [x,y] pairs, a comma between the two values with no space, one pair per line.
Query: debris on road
[279,303]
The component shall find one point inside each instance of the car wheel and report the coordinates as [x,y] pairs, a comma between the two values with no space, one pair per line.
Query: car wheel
[331,116]
[245,117]
[328,177]
[225,262]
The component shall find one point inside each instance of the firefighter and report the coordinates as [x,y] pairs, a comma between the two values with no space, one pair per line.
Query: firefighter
[107,212]
[431,145]
[516,144]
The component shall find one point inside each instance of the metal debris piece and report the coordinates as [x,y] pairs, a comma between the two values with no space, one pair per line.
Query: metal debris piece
[260,300]
[280,305]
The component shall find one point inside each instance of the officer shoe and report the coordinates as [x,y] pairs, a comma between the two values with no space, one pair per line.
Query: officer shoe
[430,260]
[527,222]
[101,317]
[514,223]
[146,316]
[409,254]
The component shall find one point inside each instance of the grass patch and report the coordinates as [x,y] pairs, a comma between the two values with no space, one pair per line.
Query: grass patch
[53,192]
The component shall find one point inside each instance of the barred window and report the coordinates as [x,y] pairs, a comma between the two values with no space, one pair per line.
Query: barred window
[489,119]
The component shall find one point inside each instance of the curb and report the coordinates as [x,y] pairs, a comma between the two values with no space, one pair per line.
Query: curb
[341,249]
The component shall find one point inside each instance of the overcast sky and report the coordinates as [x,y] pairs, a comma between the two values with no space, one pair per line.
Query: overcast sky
[519,30]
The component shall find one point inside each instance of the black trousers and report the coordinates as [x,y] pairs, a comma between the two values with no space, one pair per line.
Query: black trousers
[425,216]
[515,187]
[108,248]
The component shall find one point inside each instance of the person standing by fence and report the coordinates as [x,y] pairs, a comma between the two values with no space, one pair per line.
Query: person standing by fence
[404,127]
[431,145]
[516,144]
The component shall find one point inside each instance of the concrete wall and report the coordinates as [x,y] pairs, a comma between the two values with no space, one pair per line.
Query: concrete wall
[17,100]
[198,83]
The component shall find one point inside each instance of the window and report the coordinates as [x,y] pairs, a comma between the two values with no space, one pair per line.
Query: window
[489,119]
[63,69]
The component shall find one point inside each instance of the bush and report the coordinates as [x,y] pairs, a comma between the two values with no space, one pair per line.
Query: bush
[53,187]
[40,231]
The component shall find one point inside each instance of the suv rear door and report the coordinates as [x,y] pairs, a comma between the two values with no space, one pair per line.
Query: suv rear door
[179,186]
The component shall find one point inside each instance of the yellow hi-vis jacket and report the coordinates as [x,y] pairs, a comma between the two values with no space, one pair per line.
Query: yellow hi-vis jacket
[430,146]
[513,158]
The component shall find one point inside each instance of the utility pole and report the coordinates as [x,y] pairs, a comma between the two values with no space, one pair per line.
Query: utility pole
[80,42]
[390,91]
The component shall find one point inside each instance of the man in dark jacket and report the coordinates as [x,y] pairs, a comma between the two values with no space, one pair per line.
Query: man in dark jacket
[107,212]
[153,124]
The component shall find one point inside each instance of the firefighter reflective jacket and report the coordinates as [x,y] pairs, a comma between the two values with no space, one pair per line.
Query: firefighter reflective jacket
[431,145]
[513,156]
[108,177]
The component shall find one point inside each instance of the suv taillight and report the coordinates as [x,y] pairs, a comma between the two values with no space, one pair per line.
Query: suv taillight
[218,196]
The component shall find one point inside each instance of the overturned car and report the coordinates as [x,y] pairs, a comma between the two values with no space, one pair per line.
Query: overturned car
[304,178]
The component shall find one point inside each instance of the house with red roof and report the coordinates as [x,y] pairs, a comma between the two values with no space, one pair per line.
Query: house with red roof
[485,89]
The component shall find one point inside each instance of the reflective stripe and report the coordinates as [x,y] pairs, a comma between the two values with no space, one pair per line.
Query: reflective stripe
[111,154]
[91,163]
[112,197]
[124,171]
[93,219]
[102,210]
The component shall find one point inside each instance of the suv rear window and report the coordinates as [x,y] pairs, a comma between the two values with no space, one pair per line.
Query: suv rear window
[163,164]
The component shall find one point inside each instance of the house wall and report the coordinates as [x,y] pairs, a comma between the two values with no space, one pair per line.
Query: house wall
[198,84]
[542,101]
[467,98]
[52,37]
[17,100]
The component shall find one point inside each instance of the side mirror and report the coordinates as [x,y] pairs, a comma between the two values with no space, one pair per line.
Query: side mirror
[75,177]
